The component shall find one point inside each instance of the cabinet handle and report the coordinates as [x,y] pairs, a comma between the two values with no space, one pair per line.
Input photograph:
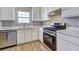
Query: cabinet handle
[6,36]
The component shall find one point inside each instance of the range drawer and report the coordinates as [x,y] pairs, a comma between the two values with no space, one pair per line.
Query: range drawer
[74,40]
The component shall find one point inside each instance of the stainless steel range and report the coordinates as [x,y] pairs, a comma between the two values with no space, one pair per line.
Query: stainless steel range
[49,36]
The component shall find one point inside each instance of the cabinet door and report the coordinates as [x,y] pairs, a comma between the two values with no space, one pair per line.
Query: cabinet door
[8,13]
[41,34]
[63,45]
[36,14]
[35,34]
[68,37]
[44,14]
[27,35]
[70,12]
[20,36]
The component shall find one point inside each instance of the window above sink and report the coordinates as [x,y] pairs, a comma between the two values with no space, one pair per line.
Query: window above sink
[23,17]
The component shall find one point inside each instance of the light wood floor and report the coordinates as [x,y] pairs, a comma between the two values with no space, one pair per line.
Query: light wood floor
[31,46]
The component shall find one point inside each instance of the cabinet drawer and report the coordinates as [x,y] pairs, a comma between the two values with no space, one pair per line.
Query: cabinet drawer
[63,45]
[69,38]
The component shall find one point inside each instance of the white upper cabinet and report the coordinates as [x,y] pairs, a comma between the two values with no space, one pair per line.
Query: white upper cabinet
[70,12]
[7,13]
[36,13]
[44,14]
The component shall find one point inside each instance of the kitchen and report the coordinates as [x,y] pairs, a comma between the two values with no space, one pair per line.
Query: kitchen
[37,28]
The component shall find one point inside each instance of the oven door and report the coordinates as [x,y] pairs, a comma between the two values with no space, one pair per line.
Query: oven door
[50,41]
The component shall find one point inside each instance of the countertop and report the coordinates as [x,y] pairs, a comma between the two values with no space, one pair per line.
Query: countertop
[8,28]
[17,28]
[72,31]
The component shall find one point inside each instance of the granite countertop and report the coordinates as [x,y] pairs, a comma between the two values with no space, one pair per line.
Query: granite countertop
[72,31]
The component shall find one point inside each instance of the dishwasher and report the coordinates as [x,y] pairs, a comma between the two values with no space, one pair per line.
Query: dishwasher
[8,38]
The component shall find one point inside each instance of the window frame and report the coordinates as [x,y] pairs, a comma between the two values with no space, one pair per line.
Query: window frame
[25,17]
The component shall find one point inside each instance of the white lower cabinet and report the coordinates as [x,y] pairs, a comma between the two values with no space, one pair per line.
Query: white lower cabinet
[66,43]
[20,36]
[63,45]
[35,33]
[27,35]
[41,34]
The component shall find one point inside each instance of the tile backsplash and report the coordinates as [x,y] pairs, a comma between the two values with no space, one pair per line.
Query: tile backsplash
[52,19]
[74,22]
[70,22]
[13,23]
[7,23]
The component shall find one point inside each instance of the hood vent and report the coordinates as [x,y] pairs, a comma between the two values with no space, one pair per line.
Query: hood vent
[57,11]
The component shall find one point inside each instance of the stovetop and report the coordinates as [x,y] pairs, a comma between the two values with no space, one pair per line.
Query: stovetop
[53,28]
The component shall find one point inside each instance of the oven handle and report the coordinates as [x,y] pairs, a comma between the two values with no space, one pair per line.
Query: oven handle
[50,34]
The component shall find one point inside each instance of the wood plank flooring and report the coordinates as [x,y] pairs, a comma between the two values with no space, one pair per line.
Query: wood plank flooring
[31,46]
